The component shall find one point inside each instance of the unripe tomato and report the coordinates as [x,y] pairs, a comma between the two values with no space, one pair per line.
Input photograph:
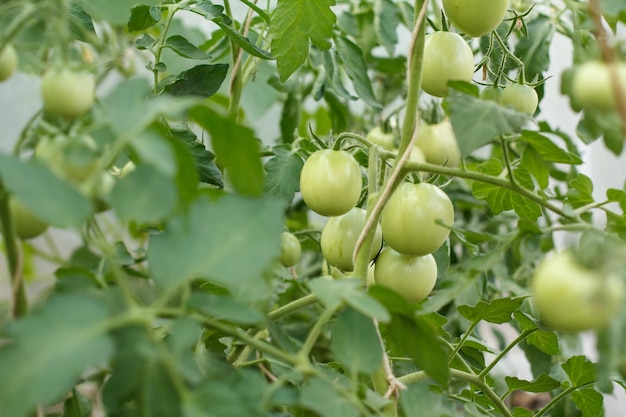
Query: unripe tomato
[331,182]
[413,277]
[438,143]
[27,225]
[491,93]
[475,17]
[571,297]
[592,86]
[73,158]
[380,138]
[521,96]
[339,237]
[409,218]
[8,62]
[290,249]
[417,155]
[68,93]
[447,57]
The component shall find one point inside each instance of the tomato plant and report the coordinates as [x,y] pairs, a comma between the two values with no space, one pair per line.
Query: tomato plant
[413,277]
[477,18]
[330,182]
[312,208]
[339,238]
[447,57]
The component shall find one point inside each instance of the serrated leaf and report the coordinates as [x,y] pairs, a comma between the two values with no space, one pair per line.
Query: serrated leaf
[231,241]
[477,122]
[325,400]
[349,291]
[236,147]
[184,48]
[224,308]
[116,12]
[579,370]
[49,351]
[204,160]
[356,68]
[142,17]
[589,401]
[548,150]
[291,28]
[41,192]
[421,400]
[534,50]
[385,22]
[580,191]
[546,341]
[542,383]
[282,177]
[496,311]
[244,42]
[202,80]
[355,342]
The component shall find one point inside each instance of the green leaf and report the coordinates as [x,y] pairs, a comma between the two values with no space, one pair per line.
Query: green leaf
[589,401]
[49,351]
[543,383]
[243,42]
[546,341]
[114,12]
[292,26]
[204,160]
[282,178]
[477,122]
[144,195]
[325,400]
[497,311]
[78,405]
[45,195]
[231,241]
[349,291]
[534,50]
[579,370]
[355,342]
[202,80]
[548,150]
[186,49]
[153,148]
[143,16]
[224,308]
[580,191]
[236,148]
[385,22]
[356,68]
[421,400]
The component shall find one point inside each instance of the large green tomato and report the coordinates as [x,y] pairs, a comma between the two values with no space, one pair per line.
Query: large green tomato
[27,225]
[573,298]
[475,17]
[68,93]
[521,96]
[592,85]
[339,237]
[8,62]
[413,277]
[491,93]
[331,182]
[290,249]
[447,57]
[380,138]
[409,218]
[439,144]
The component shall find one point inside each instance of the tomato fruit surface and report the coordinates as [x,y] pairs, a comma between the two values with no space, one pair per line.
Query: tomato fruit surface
[439,144]
[72,158]
[331,182]
[475,17]
[290,249]
[339,237]
[491,93]
[571,297]
[409,218]
[521,96]
[380,138]
[413,277]
[26,224]
[8,62]
[67,93]
[447,57]
[592,85]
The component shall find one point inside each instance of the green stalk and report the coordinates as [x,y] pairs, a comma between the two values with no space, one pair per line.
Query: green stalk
[316,330]
[559,397]
[295,305]
[506,350]
[484,387]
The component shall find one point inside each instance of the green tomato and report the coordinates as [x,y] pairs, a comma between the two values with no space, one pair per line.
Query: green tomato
[571,297]
[8,62]
[491,93]
[380,138]
[26,224]
[339,237]
[521,96]
[68,93]
[439,144]
[447,57]
[290,249]
[72,158]
[413,277]
[409,218]
[331,182]
[475,17]
[592,85]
